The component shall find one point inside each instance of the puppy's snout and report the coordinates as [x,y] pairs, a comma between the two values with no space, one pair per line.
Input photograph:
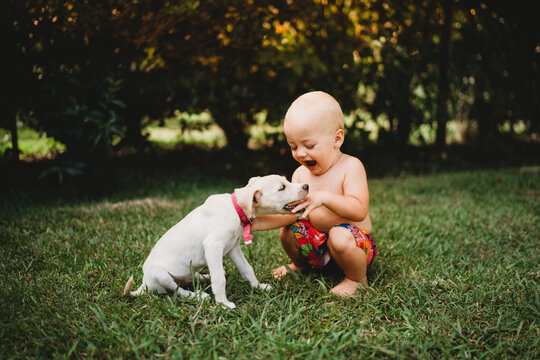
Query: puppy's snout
[305,187]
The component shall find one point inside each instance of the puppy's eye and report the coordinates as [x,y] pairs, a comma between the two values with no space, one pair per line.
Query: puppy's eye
[282,187]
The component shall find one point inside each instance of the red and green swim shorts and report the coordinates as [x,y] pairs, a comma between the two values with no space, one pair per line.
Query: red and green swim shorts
[313,243]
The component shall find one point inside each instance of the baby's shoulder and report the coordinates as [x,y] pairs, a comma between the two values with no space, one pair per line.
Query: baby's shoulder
[350,162]
[352,169]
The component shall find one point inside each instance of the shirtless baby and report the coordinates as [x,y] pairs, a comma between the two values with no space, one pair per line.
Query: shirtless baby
[335,222]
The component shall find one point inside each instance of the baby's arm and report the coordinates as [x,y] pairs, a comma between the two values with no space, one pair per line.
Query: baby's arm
[354,202]
[269,222]
[345,206]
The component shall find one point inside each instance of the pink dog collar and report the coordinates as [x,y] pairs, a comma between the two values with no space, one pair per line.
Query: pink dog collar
[243,219]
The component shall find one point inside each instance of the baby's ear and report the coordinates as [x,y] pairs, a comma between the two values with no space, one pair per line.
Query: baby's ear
[339,137]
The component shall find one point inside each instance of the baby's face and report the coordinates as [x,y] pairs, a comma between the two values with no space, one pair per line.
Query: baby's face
[314,142]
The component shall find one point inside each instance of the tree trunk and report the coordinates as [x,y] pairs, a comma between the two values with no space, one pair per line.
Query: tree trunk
[404,129]
[14,136]
[133,134]
[237,138]
[444,86]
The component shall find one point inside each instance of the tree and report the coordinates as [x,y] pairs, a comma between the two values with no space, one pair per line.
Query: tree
[498,64]
[18,82]
[444,63]
[145,59]
[401,76]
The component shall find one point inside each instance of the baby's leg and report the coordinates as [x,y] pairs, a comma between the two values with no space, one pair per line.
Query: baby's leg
[350,258]
[292,248]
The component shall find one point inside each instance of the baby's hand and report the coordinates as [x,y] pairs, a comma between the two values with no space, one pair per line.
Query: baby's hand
[312,201]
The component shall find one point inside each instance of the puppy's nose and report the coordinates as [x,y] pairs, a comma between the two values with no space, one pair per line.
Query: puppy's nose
[305,187]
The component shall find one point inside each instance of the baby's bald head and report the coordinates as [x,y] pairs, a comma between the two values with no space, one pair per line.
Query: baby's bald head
[318,107]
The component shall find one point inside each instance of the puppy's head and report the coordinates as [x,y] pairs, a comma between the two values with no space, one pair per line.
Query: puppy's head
[269,195]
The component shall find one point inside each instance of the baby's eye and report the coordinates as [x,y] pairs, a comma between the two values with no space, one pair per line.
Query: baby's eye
[310,146]
[282,187]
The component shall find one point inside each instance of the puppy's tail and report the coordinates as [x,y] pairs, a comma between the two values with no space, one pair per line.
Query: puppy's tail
[127,288]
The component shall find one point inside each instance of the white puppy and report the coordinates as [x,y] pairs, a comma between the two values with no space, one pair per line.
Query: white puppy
[211,231]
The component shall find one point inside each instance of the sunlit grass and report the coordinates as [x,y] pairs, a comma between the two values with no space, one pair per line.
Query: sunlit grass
[32,144]
[201,130]
[213,137]
[423,134]
[188,129]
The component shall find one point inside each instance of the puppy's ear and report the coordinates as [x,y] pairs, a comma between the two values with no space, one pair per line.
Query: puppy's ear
[257,196]
[248,197]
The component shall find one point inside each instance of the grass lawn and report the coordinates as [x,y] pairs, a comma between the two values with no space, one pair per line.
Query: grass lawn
[457,276]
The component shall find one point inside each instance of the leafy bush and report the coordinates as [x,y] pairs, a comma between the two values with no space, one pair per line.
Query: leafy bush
[63,169]
[82,114]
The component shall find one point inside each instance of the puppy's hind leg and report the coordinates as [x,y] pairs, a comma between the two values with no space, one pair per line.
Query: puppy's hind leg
[199,294]
[163,281]
[202,277]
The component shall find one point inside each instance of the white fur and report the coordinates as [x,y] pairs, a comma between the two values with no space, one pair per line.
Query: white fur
[208,233]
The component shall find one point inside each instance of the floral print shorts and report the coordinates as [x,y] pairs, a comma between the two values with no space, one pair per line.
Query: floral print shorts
[313,243]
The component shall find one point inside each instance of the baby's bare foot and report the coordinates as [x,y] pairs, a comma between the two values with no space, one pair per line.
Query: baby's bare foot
[347,287]
[283,270]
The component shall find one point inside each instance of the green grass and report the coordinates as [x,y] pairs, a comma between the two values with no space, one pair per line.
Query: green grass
[457,276]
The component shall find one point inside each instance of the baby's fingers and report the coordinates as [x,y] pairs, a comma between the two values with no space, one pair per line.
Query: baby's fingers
[306,212]
[299,207]
[294,203]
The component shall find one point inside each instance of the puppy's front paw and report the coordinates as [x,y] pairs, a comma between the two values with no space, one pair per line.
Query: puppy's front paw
[227,303]
[264,286]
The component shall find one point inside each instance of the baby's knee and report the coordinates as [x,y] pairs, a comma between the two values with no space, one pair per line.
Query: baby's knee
[340,240]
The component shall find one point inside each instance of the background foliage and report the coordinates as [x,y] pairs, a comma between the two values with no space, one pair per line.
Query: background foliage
[92,74]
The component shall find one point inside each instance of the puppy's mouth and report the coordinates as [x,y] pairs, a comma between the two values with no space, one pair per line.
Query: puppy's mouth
[289,208]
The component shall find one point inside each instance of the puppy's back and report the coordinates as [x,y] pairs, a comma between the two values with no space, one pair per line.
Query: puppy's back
[184,241]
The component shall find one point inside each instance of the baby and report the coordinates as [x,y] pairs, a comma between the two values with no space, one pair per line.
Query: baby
[335,222]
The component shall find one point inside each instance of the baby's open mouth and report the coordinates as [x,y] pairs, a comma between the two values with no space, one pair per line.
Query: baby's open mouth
[311,163]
